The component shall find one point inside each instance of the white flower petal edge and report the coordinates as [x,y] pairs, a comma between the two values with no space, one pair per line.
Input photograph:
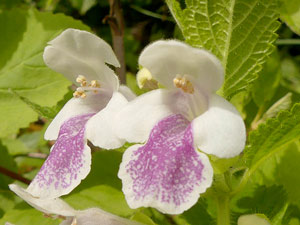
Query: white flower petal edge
[100,129]
[58,207]
[48,206]
[77,106]
[166,59]
[127,92]
[76,52]
[220,130]
[96,216]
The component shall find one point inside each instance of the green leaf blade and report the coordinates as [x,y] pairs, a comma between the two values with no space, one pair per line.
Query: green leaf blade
[239,32]
[22,68]
[273,135]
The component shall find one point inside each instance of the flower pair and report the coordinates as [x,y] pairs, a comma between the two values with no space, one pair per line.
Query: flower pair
[176,126]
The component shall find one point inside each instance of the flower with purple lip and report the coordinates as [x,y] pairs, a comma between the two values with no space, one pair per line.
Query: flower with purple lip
[81,57]
[177,126]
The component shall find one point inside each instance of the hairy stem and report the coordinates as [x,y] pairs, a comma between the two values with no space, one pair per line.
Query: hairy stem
[115,20]
[14,175]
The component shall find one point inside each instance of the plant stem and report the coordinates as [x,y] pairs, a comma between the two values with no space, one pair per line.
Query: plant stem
[288,42]
[223,210]
[256,120]
[115,20]
[14,175]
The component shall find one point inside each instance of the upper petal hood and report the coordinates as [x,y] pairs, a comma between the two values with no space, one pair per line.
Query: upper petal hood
[75,52]
[166,59]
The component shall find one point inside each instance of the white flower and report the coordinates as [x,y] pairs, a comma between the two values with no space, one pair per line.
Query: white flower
[252,219]
[168,172]
[59,208]
[81,57]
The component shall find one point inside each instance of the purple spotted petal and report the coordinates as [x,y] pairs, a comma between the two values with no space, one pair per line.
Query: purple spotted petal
[166,173]
[68,163]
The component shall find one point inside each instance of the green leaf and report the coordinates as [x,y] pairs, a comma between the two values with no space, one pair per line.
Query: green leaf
[8,4]
[7,162]
[7,198]
[197,215]
[287,173]
[222,165]
[46,112]
[283,103]
[239,32]
[102,188]
[291,73]
[22,68]
[272,136]
[7,201]
[263,201]
[83,5]
[290,14]
[141,217]
[103,196]
[264,87]
[23,214]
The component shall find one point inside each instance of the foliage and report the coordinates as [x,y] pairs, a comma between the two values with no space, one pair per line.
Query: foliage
[262,79]
[240,33]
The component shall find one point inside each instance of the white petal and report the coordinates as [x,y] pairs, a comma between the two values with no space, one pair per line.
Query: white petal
[100,128]
[77,106]
[135,121]
[166,59]
[48,206]
[127,92]
[220,130]
[253,219]
[75,52]
[95,216]
[138,117]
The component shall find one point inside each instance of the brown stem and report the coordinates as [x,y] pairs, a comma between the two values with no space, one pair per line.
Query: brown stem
[14,175]
[115,20]
[35,155]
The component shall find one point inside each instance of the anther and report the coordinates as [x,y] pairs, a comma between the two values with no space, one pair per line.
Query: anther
[79,93]
[85,87]
[82,80]
[95,84]
[74,222]
[184,84]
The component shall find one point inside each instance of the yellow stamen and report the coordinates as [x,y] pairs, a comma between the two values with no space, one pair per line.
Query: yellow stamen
[80,79]
[81,92]
[184,84]
[95,84]
[74,222]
